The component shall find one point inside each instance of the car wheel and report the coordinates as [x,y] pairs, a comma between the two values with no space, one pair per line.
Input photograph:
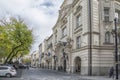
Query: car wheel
[8,75]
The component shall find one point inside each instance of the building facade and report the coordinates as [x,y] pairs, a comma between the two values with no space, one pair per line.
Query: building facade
[35,59]
[83,40]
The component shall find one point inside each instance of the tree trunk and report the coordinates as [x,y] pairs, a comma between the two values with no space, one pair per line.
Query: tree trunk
[11,53]
[15,55]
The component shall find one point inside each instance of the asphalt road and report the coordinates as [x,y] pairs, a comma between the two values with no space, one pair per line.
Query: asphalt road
[41,74]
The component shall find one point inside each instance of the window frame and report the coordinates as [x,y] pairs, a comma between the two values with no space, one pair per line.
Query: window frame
[64,31]
[78,42]
[78,21]
[106,14]
[107,37]
[3,68]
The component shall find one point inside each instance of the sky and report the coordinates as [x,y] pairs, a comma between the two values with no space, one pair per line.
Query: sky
[39,15]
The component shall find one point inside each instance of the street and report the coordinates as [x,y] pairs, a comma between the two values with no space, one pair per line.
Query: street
[40,74]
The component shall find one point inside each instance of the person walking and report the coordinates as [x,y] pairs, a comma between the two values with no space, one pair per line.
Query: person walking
[111,72]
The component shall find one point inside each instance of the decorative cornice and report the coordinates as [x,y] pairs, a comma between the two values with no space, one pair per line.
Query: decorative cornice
[75,2]
[92,33]
[93,47]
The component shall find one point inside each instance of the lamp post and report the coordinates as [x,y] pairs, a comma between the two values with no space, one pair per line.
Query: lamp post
[116,48]
[90,41]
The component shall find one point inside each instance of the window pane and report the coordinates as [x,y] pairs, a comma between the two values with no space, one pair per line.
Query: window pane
[55,38]
[107,37]
[78,42]
[106,11]
[106,14]
[78,21]
[64,32]
[106,18]
[3,68]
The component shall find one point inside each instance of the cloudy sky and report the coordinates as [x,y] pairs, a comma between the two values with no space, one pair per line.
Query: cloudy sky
[40,15]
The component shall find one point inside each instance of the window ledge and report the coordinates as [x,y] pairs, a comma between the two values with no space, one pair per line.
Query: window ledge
[106,43]
[63,36]
[107,21]
[77,29]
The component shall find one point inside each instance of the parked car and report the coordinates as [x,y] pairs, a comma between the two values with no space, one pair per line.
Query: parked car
[23,67]
[7,71]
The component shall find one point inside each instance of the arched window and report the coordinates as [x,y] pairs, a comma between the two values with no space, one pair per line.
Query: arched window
[119,60]
[107,37]
[119,39]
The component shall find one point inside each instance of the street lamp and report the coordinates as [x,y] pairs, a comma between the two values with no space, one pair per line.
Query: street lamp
[116,47]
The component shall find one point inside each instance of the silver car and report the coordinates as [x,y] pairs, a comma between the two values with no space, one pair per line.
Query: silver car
[7,71]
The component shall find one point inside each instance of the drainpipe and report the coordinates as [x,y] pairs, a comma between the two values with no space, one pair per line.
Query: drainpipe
[90,41]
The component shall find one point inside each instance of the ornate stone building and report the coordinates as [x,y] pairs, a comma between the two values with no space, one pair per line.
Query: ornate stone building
[35,59]
[82,38]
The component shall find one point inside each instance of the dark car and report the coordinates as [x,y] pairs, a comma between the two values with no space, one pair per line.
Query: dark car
[23,67]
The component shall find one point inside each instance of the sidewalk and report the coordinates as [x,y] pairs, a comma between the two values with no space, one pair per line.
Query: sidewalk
[85,77]
[19,73]
[96,78]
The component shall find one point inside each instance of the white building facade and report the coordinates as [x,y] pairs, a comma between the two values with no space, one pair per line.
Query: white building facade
[35,59]
[72,35]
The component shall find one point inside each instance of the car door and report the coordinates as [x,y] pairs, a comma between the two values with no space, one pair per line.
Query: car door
[3,71]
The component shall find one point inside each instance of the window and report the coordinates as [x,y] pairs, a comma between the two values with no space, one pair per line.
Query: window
[119,16]
[64,32]
[106,14]
[78,21]
[119,60]
[78,42]
[107,37]
[78,8]
[118,12]
[55,38]
[119,57]
[3,68]
[119,39]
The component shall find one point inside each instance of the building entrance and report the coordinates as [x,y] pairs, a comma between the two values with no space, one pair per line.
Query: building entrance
[77,64]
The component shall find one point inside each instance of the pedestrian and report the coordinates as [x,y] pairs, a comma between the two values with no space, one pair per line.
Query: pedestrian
[111,72]
[15,66]
[27,66]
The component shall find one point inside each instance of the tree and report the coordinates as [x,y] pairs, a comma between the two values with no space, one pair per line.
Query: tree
[17,37]
[27,61]
[4,41]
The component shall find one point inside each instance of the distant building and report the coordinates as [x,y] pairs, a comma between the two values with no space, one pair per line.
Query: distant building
[35,59]
[26,59]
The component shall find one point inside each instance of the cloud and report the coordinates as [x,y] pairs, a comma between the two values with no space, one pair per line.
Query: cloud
[47,4]
[39,15]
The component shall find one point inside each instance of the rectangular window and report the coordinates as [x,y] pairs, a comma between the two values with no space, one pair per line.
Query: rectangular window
[106,14]
[3,68]
[78,21]
[106,18]
[106,11]
[55,38]
[78,42]
[118,12]
[64,32]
